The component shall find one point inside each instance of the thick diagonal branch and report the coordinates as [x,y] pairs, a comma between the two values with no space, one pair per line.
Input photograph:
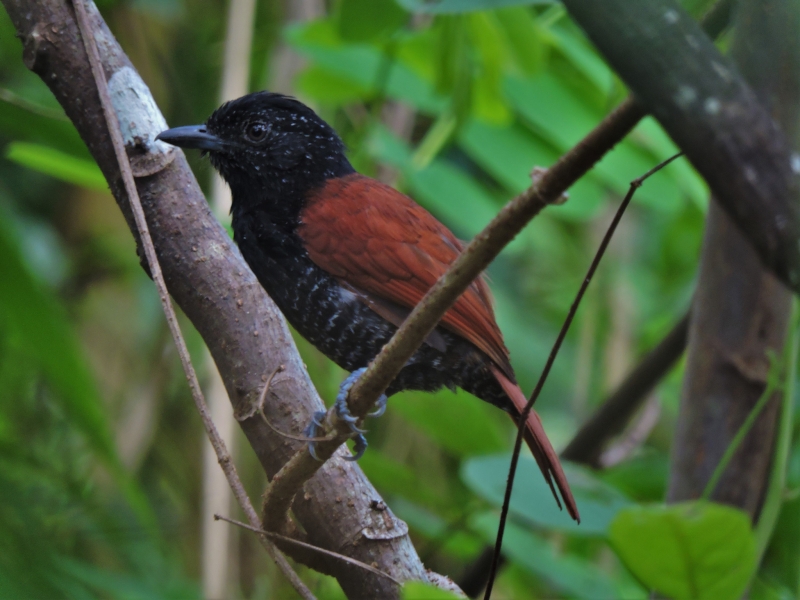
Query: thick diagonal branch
[209,280]
[703,102]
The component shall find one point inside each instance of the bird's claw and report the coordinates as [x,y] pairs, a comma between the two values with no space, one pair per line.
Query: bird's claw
[311,432]
[344,412]
[360,447]
[380,407]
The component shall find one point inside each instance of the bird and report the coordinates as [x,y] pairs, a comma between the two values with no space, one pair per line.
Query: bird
[346,258]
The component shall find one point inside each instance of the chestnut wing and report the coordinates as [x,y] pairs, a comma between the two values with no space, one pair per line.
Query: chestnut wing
[382,243]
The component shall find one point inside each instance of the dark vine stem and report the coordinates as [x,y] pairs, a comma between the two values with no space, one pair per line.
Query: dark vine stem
[512,471]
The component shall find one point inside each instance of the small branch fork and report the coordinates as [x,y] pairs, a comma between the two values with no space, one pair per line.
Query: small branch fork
[635,185]
[155,269]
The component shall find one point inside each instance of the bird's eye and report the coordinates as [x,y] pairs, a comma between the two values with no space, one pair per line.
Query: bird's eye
[256,132]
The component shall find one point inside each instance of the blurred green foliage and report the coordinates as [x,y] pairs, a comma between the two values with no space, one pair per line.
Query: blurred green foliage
[454,102]
[687,551]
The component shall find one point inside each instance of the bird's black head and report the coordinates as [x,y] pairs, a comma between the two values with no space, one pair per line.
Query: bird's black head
[270,149]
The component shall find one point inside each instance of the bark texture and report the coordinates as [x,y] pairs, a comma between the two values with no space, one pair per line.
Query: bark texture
[704,103]
[741,311]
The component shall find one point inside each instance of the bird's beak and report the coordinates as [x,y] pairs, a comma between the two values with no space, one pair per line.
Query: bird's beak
[191,136]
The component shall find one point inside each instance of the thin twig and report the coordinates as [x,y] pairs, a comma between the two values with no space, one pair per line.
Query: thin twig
[713,22]
[155,269]
[288,540]
[512,471]
[260,409]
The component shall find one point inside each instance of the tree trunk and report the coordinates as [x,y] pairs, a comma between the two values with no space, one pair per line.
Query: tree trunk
[741,312]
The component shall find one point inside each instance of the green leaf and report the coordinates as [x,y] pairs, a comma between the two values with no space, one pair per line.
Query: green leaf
[363,64]
[57,164]
[365,20]
[417,590]
[524,36]
[563,118]
[583,57]
[19,123]
[642,478]
[331,88]
[34,319]
[488,102]
[509,154]
[436,138]
[479,430]
[692,550]
[570,575]
[462,6]
[533,501]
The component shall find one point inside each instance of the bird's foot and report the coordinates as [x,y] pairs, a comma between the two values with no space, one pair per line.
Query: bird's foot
[344,412]
[311,431]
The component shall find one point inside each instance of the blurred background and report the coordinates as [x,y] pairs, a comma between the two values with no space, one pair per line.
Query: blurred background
[103,490]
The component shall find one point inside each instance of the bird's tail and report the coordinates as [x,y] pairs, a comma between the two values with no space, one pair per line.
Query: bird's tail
[540,446]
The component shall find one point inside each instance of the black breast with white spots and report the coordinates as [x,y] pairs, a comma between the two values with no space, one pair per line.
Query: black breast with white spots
[342,327]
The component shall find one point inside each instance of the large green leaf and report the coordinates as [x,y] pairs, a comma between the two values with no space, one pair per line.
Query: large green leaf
[532,500]
[445,190]
[365,65]
[332,88]
[509,155]
[478,431]
[642,477]
[578,51]
[417,590]
[493,56]
[36,322]
[58,164]
[524,36]
[569,574]
[364,20]
[449,537]
[561,116]
[692,550]
[19,123]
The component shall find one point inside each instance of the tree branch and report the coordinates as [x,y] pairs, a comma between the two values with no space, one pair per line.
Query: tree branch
[207,277]
[216,440]
[741,312]
[703,102]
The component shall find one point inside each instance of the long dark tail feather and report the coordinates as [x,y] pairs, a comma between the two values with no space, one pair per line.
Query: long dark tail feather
[540,446]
